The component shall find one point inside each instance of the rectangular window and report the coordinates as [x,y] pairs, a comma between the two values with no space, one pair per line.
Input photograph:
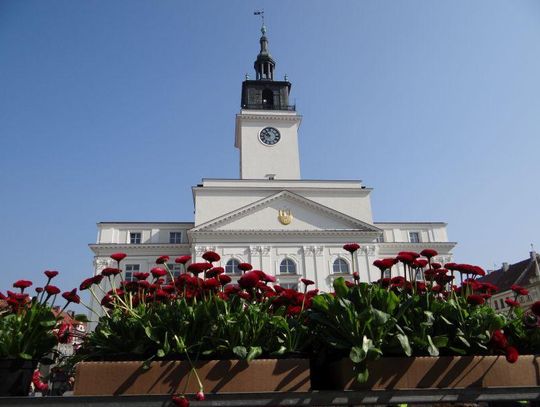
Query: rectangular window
[414,237]
[380,239]
[290,286]
[135,237]
[130,269]
[175,269]
[175,237]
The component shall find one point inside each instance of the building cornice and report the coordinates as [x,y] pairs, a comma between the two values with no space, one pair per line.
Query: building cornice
[152,248]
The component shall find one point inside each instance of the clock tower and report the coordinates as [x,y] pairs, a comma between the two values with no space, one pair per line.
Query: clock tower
[267,125]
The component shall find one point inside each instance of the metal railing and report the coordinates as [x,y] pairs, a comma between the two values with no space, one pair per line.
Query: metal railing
[265,106]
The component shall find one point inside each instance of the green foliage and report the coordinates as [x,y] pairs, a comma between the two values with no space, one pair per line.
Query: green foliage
[28,333]
[210,328]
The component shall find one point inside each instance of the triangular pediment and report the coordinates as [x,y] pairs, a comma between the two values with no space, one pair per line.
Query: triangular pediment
[285,211]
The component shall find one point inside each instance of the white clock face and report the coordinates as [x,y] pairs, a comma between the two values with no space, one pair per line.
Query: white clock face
[269,136]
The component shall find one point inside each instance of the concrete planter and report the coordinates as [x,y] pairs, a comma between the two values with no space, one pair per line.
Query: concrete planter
[168,377]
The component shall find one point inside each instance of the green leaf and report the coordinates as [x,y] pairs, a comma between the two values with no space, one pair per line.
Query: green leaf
[160,353]
[25,356]
[240,351]
[280,351]
[254,352]
[81,318]
[440,341]
[363,375]
[464,341]
[357,354]
[432,349]
[446,321]
[48,324]
[405,345]
[340,287]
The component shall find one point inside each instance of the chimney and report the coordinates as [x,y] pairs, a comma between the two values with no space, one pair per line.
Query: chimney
[505,266]
[533,254]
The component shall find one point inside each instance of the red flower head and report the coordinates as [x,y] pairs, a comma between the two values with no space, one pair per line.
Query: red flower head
[224,279]
[110,271]
[22,284]
[197,268]
[211,257]
[118,256]
[143,284]
[180,401]
[139,275]
[245,267]
[450,266]
[71,296]
[356,276]
[351,247]
[512,303]
[214,272]
[267,278]
[63,333]
[349,284]
[158,272]
[182,259]
[307,282]
[211,283]
[50,273]
[199,396]
[86,284]
[52,289]
[38,290]
[512,354]
[475,299]
[162,259]
[436,266]
[405,258]
[498,339]
[381,264]
[429,253]
[535,308]
[420,263]
[249,280]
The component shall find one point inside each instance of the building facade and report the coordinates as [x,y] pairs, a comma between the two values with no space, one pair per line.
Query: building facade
[270,217]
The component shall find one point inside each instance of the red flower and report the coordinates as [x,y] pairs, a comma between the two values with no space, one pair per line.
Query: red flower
[22,284]
[162,259]
[211,283]
[158,272]
[351,247]
[535,308]
[436,266]
[197,268]
[213,272]
[110,271]
[475,299]
[499,339]
[245,266]
[50,273]
[512,303]
[512,354]
[429,253]
[420,263]
[38,290]
[180,401]
[71,296]
[307,282]
[143,284]
[249,280]
[356,276]
[118,256]
[86,284]
[182,259]
[139,275]
[405,258]
[199,396]
[211,257]
[52,289]
[63,333]
[224,279]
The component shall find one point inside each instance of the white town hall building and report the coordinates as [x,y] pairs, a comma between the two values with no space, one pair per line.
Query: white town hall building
[270,217]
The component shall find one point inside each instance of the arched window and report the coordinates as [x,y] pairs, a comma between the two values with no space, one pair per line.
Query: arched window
[287,266]
[340,266]
[232,267]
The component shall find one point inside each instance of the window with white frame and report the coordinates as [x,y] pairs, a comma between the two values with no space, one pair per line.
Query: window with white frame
[175,269]
[287,266]
[340,266]
[232,267]
[135,237]
[414,237]
[289,286]
[175,237]
[130,269]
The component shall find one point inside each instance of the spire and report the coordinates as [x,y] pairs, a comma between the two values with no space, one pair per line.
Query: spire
[264,64]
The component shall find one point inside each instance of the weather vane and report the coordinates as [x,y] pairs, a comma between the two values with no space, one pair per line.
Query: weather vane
[261,13]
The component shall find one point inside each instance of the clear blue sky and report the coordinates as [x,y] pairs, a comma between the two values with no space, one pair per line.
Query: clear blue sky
[112,110]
